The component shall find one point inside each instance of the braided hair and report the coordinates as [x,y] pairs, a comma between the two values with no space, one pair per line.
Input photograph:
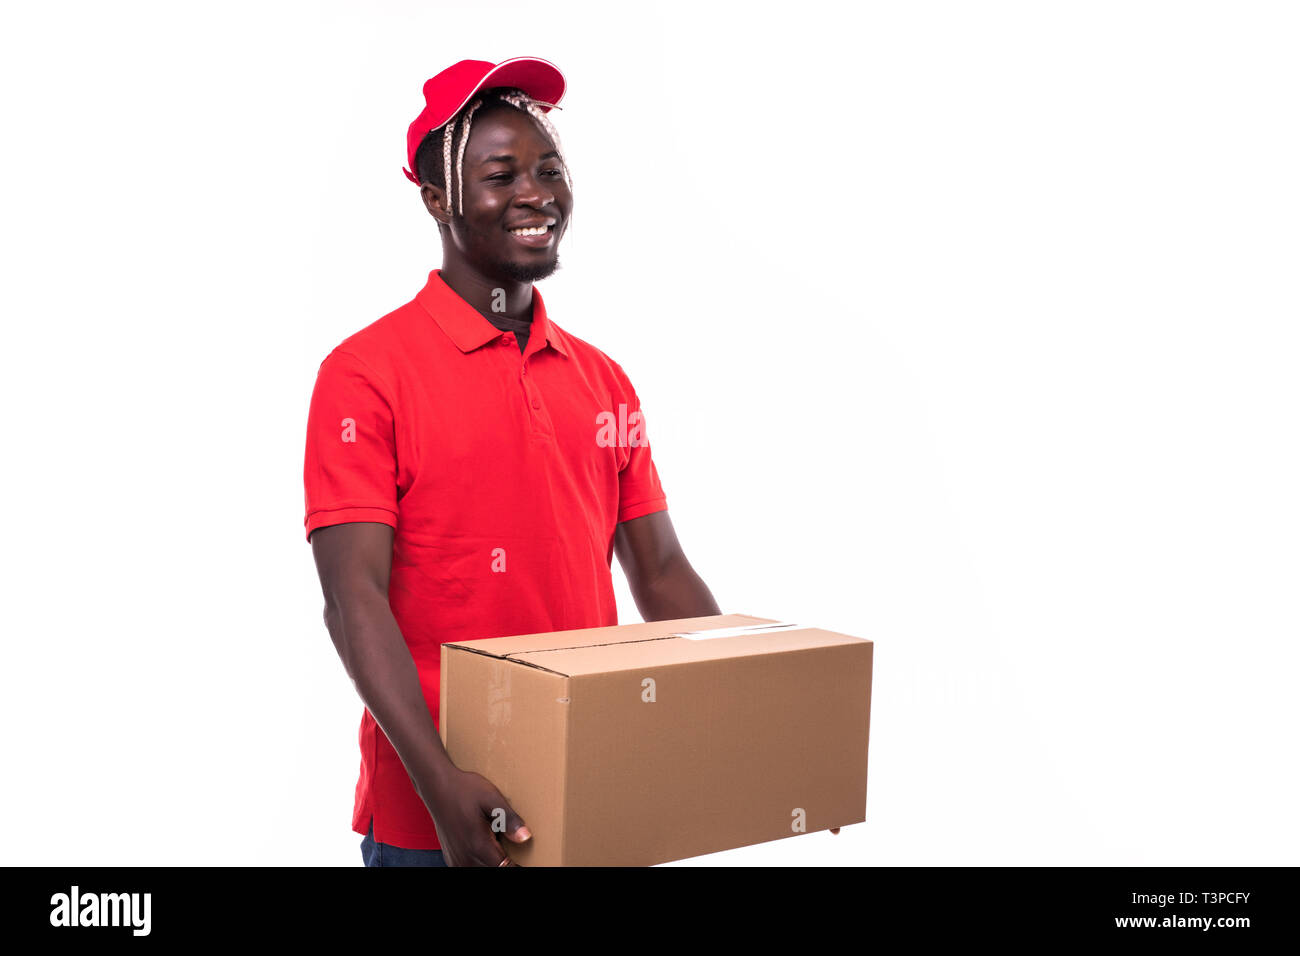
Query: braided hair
[437,145]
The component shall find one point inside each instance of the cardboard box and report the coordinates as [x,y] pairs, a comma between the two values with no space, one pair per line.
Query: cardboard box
[644,743]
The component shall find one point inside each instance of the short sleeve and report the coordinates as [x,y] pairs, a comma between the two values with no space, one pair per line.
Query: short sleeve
[350,468]
[639,489]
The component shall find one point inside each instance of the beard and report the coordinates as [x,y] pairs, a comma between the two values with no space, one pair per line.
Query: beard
[521,272]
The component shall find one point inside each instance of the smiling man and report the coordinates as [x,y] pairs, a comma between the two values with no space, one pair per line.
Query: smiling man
[462,480]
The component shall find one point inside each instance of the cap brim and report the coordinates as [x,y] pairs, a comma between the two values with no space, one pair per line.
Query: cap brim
[540,79]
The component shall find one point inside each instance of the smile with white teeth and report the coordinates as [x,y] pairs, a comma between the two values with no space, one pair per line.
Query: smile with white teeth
[532,231]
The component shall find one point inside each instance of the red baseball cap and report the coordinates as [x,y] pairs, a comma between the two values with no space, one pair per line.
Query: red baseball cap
[446,93]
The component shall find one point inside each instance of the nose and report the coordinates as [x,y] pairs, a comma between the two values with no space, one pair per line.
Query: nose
[533,192]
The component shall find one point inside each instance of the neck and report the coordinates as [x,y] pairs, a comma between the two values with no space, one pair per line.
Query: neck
[505,303]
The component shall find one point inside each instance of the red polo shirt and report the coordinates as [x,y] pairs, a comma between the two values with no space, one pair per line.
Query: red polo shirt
[502,479]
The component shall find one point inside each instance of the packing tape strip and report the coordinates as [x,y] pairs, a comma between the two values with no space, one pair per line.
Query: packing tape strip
[737,631]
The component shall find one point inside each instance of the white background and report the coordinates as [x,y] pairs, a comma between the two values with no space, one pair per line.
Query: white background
[969,328]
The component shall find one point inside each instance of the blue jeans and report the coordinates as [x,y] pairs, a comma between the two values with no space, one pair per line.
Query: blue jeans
[383,854]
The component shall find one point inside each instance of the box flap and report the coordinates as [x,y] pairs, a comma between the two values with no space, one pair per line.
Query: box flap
[613,658]
[592,636]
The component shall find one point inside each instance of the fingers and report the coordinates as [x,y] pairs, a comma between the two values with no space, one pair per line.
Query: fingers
[503,818]
[491,855]
[488,858]
[516,831]
[505,859]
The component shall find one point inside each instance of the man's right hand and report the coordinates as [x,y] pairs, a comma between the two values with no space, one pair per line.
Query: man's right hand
[466,807]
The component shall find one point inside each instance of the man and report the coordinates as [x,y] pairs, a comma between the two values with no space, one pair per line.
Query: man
[471,467]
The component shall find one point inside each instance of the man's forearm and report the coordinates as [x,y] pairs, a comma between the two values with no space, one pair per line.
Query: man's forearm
[377,659]
[675,593]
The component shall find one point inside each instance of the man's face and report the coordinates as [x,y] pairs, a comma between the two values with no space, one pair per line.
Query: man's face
[513,179]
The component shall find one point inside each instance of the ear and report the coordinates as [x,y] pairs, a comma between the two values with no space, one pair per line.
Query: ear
[435,200]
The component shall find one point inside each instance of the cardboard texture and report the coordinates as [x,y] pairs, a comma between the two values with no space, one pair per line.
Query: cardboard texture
[645,743]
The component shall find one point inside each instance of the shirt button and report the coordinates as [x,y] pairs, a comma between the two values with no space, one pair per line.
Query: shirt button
[537,403]
[508,340]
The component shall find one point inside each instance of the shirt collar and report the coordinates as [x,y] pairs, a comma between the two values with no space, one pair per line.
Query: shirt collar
[466,327]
